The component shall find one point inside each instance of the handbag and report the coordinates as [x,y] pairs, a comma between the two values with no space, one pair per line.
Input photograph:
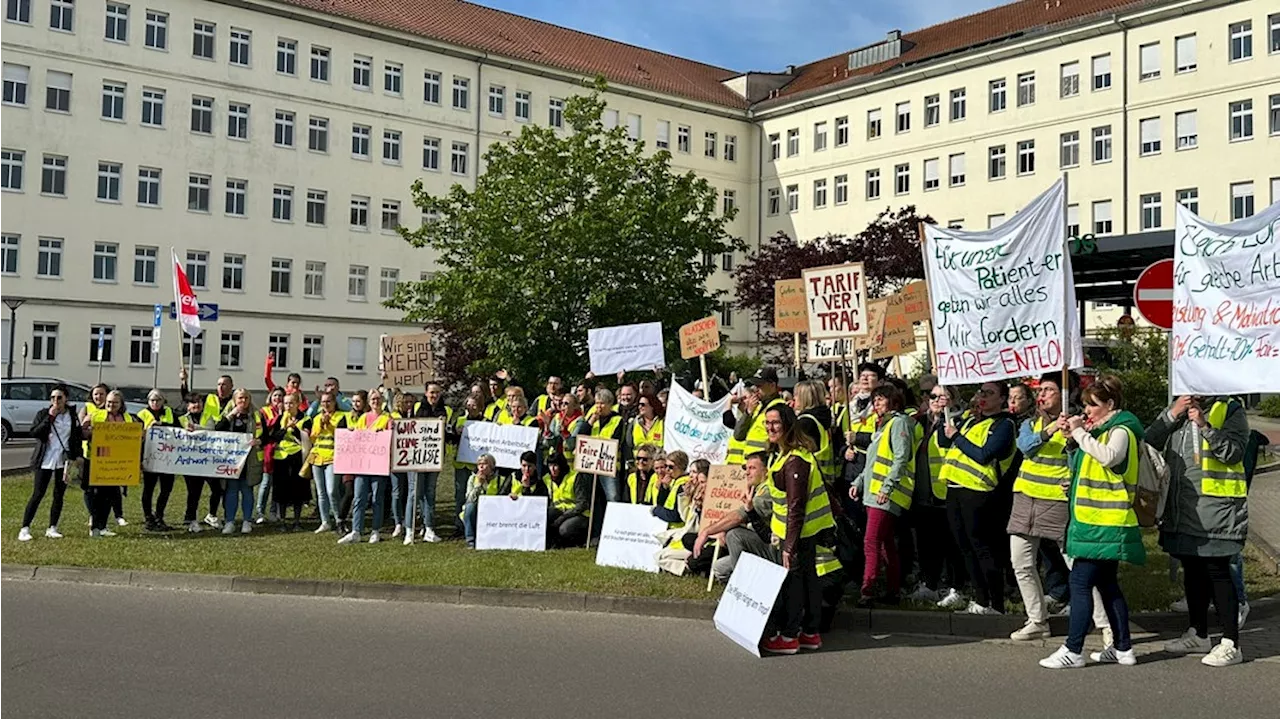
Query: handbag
[73,467]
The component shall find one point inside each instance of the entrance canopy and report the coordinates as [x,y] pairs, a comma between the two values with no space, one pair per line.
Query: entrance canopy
[1106,268]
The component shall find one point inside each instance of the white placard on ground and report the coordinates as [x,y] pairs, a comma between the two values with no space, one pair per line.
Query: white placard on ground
[629,538]
[748,600]
[506,523]
[625,348]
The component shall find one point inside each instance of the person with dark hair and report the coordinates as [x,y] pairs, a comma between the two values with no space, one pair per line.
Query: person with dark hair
[569,515]
[527,482]
[747,418]
[642,483]
[646,427]
[58,441]
[977,454]
[941,567]
[156,413]
[292,384]
[341,402]
[885,488]
[284,435]
[194,421]
[860,421]
[669,487]
[420,498]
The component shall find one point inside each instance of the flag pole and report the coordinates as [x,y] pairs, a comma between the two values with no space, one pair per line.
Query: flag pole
[1067,279]
[924,260]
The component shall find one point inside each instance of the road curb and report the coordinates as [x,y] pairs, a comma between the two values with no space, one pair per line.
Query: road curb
[881,621]
[1270,553]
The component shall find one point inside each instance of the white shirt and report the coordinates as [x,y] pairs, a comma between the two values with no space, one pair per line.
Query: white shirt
[55,456]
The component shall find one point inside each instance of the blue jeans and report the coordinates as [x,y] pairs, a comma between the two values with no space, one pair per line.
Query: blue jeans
[1237,577]
[328,492]
[612,487]
[364,486]
[460,476]
[238,488]
[399,489]
[469,515]
[422,489]
[1086,575]
[264,494]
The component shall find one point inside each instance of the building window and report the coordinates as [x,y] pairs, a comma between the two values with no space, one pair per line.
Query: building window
[1241,37]
[201,114]
[1102,217]
[149,186]
[387,281]
[709,145]
[819,193]
[278,348]
[555,117]
[360,212]
[1184,124]
[49,257]
[726,262]
[105,259]
[57,92]
[731,148]
[996,165]
[239,54]
[774,202]
[1190,199]
[1101,72]
[238,121]
[726,314]
[1102,144]
[44,342]
[9,255]
[117,22]
[361,69]
[1241,120]
[357,348]
[1273,23]
[237,194]
[775,146]
[287,56]
[999,95]
[233,272]
[994,221]
[393,78]
[101,343]
[140,346]
[430,153]
[284,128]
[282,203]
[1184,53]
[903,112]
[497,100]
[431,87]
[1273,115]
[1073,221]
[12,163]
[62,15]
[730,201]
[932,180]
[819,136]
[198,269]
[1241,200]
[524,102]
[313,279]
[318,134]
[391,146]
[874,127]
[1149,136]
[390,215]
[901,179]
[932,110]
[842,131]
[793,198]
[1026,89]
[1150,204]
[144,265]
[1070,83]
[16,78]
[873,184]
[360,141]
[152,107]
[1149,61]
[958,104]
[793,142]
[956,167]
[461,93]
[229,350]
[198,193]
[53,175]
[1070,152]
[316,201]
[18,11]
[113,101]
[1027,157]
[357,282]
[319,63]
[109,181]
[281,276]
[203,35]
[458,158]
[841,189]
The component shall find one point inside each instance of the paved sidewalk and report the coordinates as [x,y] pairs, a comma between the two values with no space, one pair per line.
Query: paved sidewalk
[1264,497]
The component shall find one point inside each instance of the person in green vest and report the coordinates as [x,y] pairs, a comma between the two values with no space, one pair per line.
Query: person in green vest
[527,482]
[1206,516]
[608,424]
[941,566]
[101,498]
[1103,529]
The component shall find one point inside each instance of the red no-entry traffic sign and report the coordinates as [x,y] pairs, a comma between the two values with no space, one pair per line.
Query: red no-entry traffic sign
[1153,294]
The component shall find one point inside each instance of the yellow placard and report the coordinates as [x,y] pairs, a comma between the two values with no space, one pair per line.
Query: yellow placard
[115,454]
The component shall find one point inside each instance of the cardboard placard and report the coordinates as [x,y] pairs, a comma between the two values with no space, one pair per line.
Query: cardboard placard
[790,309]
[748,600]
[915,301]
[361,452]
[837,300]
[596,455]
[505,523]
[417,444]
[899,335]
[171,450]
[407,360]
[728,490]
[875,324]
[114,454]
[629,538]
[700,337]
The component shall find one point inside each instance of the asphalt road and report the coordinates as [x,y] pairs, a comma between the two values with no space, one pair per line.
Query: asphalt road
[16,453]
[79,650]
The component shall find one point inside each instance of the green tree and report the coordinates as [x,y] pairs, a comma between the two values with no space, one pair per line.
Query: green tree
[564,231]
[1140,358]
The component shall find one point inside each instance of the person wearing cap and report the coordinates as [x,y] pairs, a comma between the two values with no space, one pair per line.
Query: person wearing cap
[749,434]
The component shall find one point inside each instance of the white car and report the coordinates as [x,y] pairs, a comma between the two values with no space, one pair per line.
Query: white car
[23,398]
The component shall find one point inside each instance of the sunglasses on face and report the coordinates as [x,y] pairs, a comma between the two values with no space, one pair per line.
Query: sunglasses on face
[642,459]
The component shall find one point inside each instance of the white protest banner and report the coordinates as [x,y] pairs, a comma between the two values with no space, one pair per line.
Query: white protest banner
[506,442]
[1226,305]
[596,455]
[629,538]
[748,600]
[1003,300]
[505,523]
[625,348]
[695,427]
[417,445]
[170,450]
[837,297]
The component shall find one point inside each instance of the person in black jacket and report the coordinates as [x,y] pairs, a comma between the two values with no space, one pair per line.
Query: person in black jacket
[58,441]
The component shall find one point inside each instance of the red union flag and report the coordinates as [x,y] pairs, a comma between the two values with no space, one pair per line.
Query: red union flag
[185,300]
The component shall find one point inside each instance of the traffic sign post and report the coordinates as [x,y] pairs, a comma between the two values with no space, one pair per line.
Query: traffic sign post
[155,344]
[208,311]
[1153,294]
[102,340]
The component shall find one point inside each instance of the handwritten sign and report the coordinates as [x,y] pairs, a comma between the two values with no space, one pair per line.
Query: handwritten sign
[700,337]
[899,336]
[695,426]
[1226,305]
[519,524]
[748,600]
[875,323]
[114,452]
[169,450]
[915,301]
[506,442]
[831,350]
[407,360]
[629,538]
[417,445]
[837,300]
[362,453]
[790,309]
[728,490]
[1003,300]
[596,455]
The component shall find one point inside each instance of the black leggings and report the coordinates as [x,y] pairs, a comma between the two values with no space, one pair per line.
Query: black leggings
[149,482]
[194,484]
[101,500]
[977,525]
[43,478]
[1208,579]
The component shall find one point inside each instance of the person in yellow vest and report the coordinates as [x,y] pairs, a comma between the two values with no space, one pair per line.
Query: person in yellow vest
[646,427]
[607,424]
[239,417]
[320,429]
[749,434]
[472,411]
[421,501]
[484,483]
[1206,516]
[802,519]
[814,417]
[498,391]
[373,487]
[861,423]
[267,417]
[527,482]
[191,422]
[569,516]
[1103,529]
[214,402]
[545,403]
[667,501]
[566,425]
[93,411]
[976,455]
[289,445]
[941,567]
[102,498]
[156,413]
[642,481]
[885,488]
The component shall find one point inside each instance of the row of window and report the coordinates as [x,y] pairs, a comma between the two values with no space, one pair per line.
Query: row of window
[1150,67]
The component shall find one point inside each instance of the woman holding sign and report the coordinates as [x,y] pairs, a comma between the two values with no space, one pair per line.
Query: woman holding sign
[374,420]
[156,413]
[320,430]
[288,439]
[241,419]
[102,499]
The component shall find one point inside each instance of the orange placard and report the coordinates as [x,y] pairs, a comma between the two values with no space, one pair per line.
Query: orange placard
[790,310]
[700,337]
[915,301]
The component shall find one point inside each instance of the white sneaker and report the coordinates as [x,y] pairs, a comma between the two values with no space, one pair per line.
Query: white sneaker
[1031,631]
[429,535]
[408,538]
[246,527]
[53,533]
[374,537]
[923,594]
[1179,606]
[1242,615]
[212,521]
[1189,643]
[399,530]
[24,534]
[975,608]
[1223,655]
[1111,655]
[107,533]
[1063,659]
[229,528]
[121,521]
[94,534]
[349,538]
[324,527]
[953,600]
[194,527]
[260,519]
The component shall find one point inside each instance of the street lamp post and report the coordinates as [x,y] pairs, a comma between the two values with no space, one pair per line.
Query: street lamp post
[13,303]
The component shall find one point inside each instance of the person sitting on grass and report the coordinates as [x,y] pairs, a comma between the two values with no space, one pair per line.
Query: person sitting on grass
[570,513]
[484,483]
[527,483]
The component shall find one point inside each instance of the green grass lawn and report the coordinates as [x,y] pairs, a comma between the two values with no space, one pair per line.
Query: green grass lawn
[268,552]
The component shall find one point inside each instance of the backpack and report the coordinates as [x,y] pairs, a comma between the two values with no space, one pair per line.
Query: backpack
[1153,485]
[1257,441]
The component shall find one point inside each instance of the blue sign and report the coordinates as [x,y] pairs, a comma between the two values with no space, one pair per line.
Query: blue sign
[208,312]
[102,338]
[159,311]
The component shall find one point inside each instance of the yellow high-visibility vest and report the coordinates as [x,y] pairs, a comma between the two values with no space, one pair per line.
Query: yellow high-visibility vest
[1042,474]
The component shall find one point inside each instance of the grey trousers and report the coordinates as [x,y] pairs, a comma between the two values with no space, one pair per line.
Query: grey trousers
[737,541]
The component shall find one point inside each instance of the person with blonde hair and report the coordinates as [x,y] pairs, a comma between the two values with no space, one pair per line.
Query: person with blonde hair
[240,417]
[814,420]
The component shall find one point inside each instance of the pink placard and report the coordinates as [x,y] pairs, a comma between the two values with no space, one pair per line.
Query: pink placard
[362,452]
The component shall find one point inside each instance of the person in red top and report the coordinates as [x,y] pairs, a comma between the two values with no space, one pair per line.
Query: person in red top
[292,384]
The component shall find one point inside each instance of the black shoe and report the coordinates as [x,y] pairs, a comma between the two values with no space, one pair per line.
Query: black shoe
[151,525]
[162,527]
[864,602]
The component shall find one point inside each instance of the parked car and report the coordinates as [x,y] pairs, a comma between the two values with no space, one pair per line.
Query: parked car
[22,398]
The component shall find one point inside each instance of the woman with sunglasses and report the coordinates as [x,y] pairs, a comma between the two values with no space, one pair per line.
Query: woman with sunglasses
[646,427]
[157,412]
[58,441]
[103,498]
[268,417]
[941,567]
[642,482]
[240,417]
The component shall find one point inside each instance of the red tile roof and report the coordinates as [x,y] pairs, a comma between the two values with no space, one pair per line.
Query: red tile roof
[520,38]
